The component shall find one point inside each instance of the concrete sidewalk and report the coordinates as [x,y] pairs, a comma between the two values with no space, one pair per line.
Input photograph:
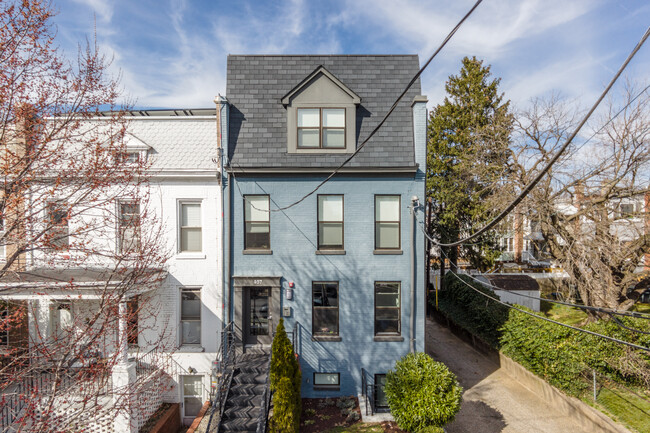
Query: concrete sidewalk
[493,401]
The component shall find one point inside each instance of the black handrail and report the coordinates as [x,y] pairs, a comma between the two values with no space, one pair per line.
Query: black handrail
[224,371]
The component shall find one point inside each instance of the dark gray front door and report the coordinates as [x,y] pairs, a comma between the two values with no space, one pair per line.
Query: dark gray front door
[257,311]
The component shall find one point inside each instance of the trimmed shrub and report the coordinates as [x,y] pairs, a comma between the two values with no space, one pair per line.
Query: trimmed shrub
[286,412]
[422,394]
[285,379]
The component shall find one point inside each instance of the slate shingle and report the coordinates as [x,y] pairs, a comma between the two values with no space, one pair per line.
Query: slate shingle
[259,121]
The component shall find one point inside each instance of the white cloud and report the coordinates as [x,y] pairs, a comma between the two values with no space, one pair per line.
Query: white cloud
[102,8]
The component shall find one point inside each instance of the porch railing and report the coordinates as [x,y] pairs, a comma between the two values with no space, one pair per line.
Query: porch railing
[223,370]
[45,383]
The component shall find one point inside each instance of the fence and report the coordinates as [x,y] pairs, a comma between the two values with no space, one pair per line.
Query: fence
[632,407]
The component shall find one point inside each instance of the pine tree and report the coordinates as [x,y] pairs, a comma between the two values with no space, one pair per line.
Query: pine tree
[467,155]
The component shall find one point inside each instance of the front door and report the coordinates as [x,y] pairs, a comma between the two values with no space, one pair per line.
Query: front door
[257,310]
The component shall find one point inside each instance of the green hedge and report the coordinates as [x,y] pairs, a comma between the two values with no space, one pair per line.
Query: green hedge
[562,356]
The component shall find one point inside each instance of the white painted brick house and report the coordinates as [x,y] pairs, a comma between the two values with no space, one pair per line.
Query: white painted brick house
[180,332]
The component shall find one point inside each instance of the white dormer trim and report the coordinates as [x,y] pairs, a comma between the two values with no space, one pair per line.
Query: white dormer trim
[134,144]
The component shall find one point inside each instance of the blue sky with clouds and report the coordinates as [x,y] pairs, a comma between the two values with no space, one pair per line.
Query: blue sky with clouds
[172,53]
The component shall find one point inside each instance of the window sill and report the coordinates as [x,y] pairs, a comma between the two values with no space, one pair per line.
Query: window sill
[326,338]
[186,348]
[327,388]
[387,252]
[253,252]
[330,252]
[386,338]
[190,256]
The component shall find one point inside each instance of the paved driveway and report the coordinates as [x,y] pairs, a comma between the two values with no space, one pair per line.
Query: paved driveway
[493,401]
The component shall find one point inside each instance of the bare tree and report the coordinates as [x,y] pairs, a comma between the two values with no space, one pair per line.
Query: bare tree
[78,238]
[590,207]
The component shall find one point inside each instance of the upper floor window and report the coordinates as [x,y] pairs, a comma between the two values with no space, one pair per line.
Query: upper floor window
[190,227]
[330,222]
[321,115]
[321,128]
[58,230]
[257,221]
[387,222]
[129,227]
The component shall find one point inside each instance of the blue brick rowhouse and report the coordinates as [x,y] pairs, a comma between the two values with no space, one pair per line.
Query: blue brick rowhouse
[344,267]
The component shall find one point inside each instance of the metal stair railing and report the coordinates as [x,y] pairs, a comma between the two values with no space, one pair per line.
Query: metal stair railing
[224,371]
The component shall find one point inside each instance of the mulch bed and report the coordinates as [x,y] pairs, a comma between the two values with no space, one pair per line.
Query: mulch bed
[322,414]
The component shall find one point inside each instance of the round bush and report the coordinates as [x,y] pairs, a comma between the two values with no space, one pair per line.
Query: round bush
[422,393]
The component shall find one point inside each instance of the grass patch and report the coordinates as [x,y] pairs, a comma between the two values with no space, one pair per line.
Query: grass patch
[563,313]
[358,428]
[629,409]
[641,308]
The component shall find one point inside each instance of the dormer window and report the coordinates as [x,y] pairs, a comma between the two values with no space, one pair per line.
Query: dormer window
[321,115]
[321,128]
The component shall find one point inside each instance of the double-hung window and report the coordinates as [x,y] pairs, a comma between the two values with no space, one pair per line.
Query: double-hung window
[321,128]
[325,309]
[387,222]
[330,222]
[132,311]
[58,230]
[190,316]
[387,308]
[257,219]
[190,227]
[129,227]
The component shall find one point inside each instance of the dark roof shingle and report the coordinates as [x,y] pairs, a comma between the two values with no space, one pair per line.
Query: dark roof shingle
[258,120]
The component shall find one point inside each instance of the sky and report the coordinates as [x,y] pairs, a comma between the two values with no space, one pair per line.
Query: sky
[173,53]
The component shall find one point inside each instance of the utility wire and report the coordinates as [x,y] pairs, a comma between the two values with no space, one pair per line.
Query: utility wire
[383,120]
[615,340]
[541,174]
[552,301]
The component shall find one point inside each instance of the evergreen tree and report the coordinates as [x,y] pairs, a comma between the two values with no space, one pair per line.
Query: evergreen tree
[285,378]
[467,158]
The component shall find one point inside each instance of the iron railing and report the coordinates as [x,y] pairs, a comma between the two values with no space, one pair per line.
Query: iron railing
[368,391]
[224,368]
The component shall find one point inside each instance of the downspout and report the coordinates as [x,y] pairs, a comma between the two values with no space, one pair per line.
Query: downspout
[221,158]
[414,201]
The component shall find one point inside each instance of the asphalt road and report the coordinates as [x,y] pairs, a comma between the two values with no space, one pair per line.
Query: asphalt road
[492,402]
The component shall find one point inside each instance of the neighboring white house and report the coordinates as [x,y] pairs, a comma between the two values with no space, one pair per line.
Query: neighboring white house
[514,289]
[179,314]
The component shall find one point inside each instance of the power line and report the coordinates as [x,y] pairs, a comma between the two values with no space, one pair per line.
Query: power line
[552,301]
[383,120]
[554,159]
[585,331]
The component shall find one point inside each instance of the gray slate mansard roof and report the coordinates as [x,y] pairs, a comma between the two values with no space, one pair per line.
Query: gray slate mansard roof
[258,120]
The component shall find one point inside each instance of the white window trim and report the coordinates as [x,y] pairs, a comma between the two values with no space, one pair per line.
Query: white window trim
[179,208]
[118,213]
[188,347]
